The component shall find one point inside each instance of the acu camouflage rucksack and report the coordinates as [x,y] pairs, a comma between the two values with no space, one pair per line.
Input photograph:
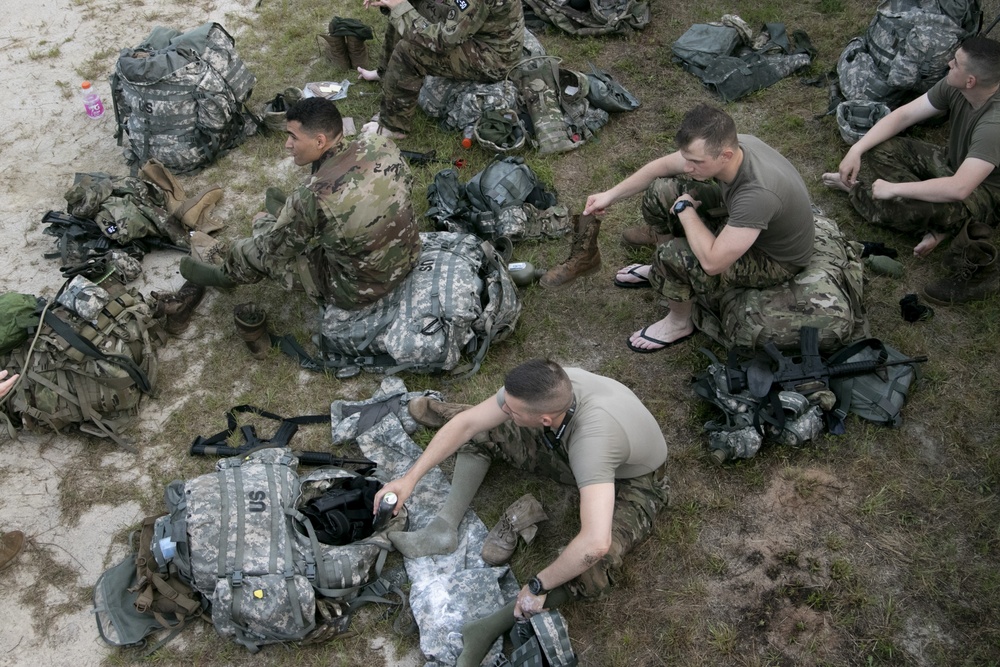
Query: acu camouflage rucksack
[456,303]
[905,49]
[181,98]
[91,372]
[242,538]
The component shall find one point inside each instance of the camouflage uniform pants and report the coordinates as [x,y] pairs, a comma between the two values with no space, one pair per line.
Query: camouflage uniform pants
[246,263]
[676,272]
[904,160]
[637,500]
[409,63]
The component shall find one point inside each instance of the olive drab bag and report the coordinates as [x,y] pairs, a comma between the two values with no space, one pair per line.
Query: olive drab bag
[242,538]
[182,98]
[873,397]
[91,373]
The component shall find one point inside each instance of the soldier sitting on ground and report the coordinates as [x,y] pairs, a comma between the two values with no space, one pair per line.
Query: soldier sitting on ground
[745,220]
[473,40]
[346,237]
[572,426]
[912,186]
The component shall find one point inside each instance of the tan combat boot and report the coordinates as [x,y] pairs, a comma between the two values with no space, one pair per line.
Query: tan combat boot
[433,414]
[519,519]
[974,276]
[584,255]
[334,49]
[11,545]
[251,323]
[643,236]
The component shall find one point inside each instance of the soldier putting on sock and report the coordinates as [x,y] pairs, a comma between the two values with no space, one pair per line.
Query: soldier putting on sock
[567,424]
[912,186]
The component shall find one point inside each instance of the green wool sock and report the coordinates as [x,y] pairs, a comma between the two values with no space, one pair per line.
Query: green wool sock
[440,536]
[479,635]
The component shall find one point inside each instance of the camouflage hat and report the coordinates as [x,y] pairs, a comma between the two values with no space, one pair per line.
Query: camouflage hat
[500,130]
[856,117]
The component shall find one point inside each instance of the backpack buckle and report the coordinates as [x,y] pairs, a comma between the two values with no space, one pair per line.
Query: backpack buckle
[236,579]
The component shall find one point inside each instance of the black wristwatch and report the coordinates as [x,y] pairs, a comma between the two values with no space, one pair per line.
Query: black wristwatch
[535,587]
[681,205]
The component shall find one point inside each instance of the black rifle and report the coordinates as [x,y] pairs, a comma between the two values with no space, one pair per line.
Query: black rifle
[215,445]
[415,157]
[806,376]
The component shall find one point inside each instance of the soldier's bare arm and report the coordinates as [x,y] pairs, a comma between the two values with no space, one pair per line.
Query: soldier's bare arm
[714,253]
[664,167]
[458,431]
[971,173]
[597,508]
[7,383]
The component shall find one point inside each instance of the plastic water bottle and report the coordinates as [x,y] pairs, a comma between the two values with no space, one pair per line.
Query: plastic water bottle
[467,137]
[91,100]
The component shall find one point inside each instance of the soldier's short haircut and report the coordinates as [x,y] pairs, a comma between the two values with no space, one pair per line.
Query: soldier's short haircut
[317,116]
[983,56]
[542,384]
[713,125]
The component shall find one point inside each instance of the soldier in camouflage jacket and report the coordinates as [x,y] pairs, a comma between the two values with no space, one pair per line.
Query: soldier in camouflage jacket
[347,236]
[474,40]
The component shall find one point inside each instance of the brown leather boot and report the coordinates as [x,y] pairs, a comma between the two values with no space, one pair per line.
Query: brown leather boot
[433,414]
[334,49]
[251,323]
[643,236]
[177,307]
[11,545]
[357,49]
[518,519]
[974,276]
[584,255]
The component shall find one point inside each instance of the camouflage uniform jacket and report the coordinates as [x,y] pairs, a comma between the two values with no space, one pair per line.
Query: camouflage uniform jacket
[347,236]
[490,32]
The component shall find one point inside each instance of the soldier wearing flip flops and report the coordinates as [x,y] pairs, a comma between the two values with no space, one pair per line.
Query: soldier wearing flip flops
[727,210]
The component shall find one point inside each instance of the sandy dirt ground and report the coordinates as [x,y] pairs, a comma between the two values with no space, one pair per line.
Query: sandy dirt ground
[47,137]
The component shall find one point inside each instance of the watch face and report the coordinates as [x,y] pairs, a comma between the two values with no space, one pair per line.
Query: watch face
[535,586]
[681,205]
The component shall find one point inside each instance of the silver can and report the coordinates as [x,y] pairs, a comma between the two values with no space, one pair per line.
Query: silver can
[386,507]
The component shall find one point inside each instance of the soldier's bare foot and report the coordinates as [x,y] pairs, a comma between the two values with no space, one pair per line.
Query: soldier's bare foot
[375,128]
[832,180]
[659,335]
[368,74]
[928,243]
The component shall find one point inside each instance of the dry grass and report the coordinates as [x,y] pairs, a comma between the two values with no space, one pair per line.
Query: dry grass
[879,547]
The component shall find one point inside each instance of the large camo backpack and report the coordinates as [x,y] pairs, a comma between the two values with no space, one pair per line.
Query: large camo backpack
[246,541]
[905,49]
[181,98]
[456,303]
[91,373]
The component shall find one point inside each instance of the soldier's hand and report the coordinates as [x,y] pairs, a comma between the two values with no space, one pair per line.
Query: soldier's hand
[527,604]
[7,382]
[849,168]
[597,204]
[398,486]
[882,189]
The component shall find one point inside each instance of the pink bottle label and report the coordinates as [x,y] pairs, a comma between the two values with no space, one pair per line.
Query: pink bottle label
[94,106]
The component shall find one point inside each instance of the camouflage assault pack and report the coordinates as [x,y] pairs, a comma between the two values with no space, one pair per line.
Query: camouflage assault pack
[247,543]
[826,294]
[91,372]
[905,49]
[456,303]
[181,98]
